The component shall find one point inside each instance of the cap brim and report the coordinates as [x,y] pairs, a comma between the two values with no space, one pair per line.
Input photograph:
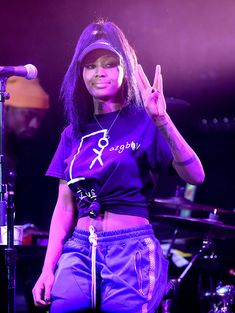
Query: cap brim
[100,44]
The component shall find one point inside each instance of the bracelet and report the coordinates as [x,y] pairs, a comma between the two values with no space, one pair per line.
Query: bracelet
[186,162]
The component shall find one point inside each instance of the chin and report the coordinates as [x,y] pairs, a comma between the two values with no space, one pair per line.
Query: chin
[104,96]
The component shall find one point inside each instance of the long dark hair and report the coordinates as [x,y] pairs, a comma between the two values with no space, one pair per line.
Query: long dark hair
[78,102]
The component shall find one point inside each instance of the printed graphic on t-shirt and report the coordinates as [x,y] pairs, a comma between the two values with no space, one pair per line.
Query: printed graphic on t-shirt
[83,191]
[96,154]
[124,146]
[90,150]
[89,154]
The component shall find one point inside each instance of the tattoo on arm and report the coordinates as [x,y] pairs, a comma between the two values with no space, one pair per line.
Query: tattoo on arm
[167,133]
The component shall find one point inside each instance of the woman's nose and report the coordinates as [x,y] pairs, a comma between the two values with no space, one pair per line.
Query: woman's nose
[100,71]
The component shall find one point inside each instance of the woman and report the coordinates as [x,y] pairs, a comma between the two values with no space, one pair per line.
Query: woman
[101,244]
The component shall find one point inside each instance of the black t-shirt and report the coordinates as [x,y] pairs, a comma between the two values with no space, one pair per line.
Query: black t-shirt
[113,171]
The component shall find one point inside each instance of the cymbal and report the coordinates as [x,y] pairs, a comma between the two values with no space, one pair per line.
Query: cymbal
[180,203]
[208,226]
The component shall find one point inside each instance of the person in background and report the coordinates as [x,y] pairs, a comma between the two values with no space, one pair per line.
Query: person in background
[102,253]
[25,108]
[23,114]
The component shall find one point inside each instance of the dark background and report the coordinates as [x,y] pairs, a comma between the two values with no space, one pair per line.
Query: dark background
[193,40]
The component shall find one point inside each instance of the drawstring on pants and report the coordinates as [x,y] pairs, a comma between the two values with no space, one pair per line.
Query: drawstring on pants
[93,241]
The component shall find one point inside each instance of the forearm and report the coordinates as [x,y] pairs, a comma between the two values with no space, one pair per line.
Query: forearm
[186,161]
[61,224]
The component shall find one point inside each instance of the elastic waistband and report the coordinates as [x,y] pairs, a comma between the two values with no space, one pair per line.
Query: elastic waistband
[127,233]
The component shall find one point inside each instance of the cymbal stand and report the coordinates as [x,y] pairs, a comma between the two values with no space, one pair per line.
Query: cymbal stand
[169,254]
[174,284]
[3,187]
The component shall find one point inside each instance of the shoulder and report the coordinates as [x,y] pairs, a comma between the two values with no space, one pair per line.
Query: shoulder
[67,131]
[67,135]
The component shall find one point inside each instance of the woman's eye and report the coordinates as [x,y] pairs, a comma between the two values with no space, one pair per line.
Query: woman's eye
[110,64]
[89,66]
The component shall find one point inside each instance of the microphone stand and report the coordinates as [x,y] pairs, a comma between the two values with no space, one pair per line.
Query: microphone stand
[7,208]
[3,188]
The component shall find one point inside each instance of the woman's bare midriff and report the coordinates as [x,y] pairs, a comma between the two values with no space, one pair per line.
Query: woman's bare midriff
[111,221]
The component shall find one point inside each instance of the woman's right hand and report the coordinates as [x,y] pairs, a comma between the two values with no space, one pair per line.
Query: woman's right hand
[61,225]
[42,289]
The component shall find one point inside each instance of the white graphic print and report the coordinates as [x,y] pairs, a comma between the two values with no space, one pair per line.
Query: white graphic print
[133,146]
[91,148]
[102,144]
[75,180]
[88,194]
[82,193]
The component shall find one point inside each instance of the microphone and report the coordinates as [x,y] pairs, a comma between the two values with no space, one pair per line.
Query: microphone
[27,71]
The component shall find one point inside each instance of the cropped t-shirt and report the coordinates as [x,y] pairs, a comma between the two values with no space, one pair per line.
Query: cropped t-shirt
[113,171]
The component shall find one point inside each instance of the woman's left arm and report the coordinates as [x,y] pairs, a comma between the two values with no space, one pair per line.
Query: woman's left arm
[186,161]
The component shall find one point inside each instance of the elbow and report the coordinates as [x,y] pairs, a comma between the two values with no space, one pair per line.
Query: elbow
[198,178]
[193,175]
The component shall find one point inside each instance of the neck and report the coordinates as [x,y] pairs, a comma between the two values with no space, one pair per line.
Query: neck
[101,106]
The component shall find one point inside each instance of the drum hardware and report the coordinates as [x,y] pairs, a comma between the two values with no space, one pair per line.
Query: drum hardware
[180,203]
[180,240]
[168,254]
[174,284]
[211,228]
[212,256]
[226,293]
[208,294]
[170,293]
[206,245]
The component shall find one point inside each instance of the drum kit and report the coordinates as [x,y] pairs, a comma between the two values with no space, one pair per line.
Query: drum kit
[209,230]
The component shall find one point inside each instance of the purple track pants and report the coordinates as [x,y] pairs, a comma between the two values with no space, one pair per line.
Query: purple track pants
[131,272]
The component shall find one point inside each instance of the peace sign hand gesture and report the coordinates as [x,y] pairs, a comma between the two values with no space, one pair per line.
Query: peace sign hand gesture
[152,96]
[186,162]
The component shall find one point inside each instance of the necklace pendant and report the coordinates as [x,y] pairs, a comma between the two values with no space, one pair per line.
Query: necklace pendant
[106,131]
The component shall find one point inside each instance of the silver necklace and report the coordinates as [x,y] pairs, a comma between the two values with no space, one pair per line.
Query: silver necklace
[106,136]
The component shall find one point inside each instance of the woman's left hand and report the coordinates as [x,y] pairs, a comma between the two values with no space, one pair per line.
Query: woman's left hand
[152,96]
